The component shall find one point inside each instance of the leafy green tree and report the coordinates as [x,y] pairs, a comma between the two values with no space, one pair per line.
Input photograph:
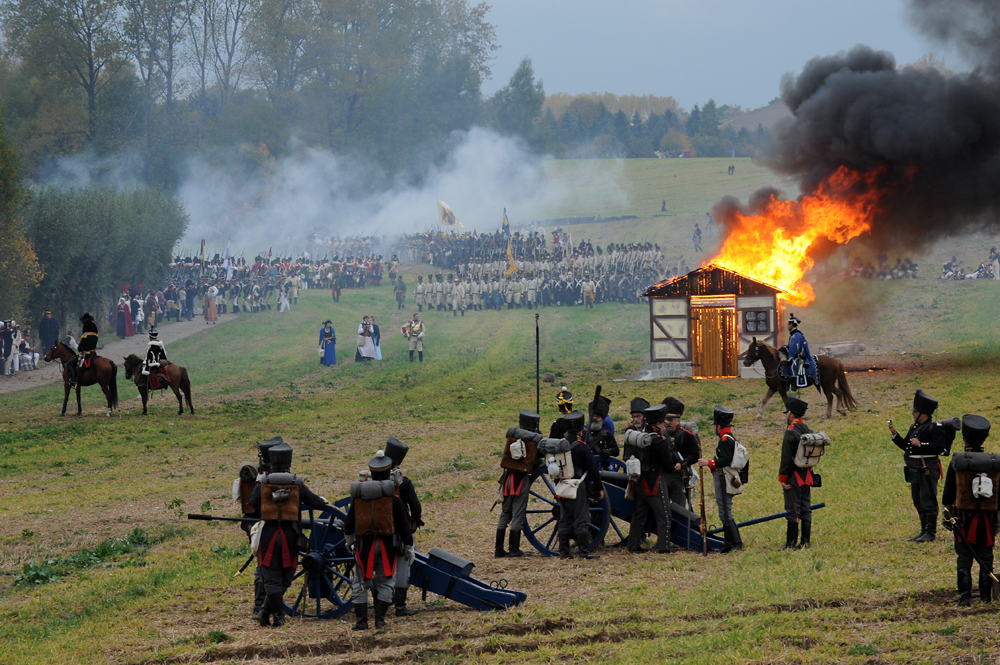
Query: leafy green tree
[708,125]
[19,269]
[693,124]
[519,103]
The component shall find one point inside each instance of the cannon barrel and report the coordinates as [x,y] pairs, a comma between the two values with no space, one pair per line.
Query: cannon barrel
[768,518]
[306,523]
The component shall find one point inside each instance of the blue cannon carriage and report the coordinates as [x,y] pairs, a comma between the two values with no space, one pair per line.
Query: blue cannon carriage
[610,517]
[326,571]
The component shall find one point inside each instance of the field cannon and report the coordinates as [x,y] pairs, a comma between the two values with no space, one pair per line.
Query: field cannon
[610,517]
[327,569]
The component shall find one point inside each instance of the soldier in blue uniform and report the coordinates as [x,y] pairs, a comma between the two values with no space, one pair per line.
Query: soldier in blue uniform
[799,356]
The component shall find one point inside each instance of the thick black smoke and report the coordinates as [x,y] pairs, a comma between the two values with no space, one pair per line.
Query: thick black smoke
[858,109]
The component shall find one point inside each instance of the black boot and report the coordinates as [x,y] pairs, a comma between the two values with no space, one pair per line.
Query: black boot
[737,540]
[728,538]
[930,528]
[806,532]
[583,543]
[498,552]
[964,587]
[564,549]
[361,614]
[923,526]
[381,608]
[420,356]
[411,356]
[792,535]
[455,312]
[399,600]
[515,545]
[263,615]
[276,606]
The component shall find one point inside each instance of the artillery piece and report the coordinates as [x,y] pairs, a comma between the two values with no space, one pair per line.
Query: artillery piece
[327,570]
[610,516]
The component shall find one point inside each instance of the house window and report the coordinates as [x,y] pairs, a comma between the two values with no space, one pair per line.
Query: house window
[757,321]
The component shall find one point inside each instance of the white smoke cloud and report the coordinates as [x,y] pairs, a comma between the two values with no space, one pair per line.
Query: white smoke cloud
[316,191]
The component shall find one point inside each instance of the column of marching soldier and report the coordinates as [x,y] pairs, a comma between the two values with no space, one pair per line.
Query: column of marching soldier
[660,450]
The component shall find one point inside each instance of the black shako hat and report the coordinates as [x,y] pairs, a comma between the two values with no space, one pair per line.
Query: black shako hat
[601,406]
[638,405]
[722,416]
[655,414]
[975,429]
[529,420]
[381,462]
[924,403]
[573,422]
[264,447]
[396,450]
[675,408]
[796,406]
[280,456]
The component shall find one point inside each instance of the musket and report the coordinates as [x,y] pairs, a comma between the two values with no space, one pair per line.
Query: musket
[704,538]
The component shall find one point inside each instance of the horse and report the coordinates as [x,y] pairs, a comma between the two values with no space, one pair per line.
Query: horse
[178,381]
[102,371]
[832,378]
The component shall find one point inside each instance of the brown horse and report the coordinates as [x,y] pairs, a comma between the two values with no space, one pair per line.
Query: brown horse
[102,371]
[832,378]
[178,376]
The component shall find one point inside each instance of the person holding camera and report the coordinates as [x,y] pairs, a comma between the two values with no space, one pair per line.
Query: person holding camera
[922,446]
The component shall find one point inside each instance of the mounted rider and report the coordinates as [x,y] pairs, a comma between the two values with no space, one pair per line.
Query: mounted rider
[156,355]
[87,347]
[800,367]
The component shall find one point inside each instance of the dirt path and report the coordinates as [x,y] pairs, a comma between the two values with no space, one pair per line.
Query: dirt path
[49,372]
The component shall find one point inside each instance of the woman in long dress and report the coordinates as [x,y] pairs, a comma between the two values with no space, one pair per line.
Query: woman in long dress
[328,344]
[125,328]
[211,311]
[366,344]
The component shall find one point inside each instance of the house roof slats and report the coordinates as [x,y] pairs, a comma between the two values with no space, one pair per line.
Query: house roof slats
[710,280]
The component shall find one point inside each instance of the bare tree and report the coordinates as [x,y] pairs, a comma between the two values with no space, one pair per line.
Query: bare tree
[80,38]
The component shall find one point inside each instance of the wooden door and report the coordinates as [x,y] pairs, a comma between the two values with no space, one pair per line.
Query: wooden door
[714,341]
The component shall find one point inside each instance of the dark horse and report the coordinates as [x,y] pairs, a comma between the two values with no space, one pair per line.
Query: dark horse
[101,371]
[832,378]
[177,375]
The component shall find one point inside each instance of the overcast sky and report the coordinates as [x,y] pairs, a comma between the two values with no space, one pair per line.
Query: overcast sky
[734,51]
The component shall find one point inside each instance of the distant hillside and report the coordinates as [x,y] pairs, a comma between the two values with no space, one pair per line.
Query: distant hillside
[766,116]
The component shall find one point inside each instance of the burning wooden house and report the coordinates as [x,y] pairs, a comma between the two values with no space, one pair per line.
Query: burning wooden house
[701,324]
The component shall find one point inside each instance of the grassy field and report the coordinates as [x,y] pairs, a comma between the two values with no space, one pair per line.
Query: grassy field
[637,187]
[99,565]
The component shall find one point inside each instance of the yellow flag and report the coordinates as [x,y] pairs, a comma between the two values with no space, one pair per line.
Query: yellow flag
[511,263]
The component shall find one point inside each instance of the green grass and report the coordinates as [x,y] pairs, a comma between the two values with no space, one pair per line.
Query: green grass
[74,487]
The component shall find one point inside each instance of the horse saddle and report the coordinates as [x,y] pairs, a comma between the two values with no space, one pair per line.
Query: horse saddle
[88,359]
[158,378]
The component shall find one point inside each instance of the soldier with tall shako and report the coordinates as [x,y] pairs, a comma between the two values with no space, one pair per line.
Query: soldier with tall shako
[970,509]
[156,355]
[243,487]
[279,496]
[686,450]
[375,521]
[796,482]
[87,348]
[924,442]
[396,451]
[647,454]
[602,432]
[519,461]
[585,479]
[725,477]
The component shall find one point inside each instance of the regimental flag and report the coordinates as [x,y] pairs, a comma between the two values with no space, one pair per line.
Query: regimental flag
[446,216]
[511,263]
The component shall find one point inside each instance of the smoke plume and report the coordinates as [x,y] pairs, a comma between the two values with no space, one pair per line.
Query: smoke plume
[932,137]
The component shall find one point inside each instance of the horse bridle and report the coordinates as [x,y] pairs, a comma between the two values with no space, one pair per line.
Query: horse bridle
[768,374]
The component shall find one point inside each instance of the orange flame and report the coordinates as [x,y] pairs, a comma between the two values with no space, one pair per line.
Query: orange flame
[773,245]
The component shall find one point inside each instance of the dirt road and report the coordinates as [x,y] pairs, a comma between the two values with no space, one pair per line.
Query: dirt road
[113,348]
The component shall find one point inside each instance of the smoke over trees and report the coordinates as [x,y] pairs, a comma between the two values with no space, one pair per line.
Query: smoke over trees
[168,78]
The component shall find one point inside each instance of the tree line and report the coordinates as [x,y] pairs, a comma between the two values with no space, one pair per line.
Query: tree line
[390,81]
